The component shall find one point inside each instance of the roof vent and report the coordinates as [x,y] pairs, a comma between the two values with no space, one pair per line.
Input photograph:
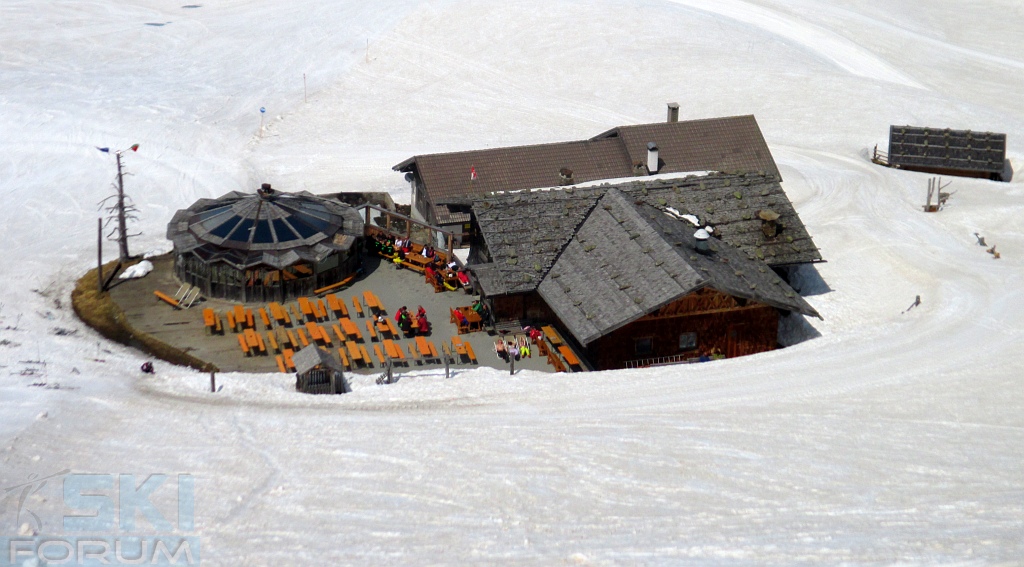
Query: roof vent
[702,237]
[652,158]
[265,191]
[673,112]
[769,222]
[565,177]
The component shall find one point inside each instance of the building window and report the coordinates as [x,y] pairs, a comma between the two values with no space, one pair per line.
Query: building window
[687,341]
[644,346]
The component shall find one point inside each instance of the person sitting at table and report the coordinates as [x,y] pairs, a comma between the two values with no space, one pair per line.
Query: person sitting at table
[389,249]
[438,278]
[478,306]
[452,265]
[421,312]
[407,326]
[423,324]
[402,312]
[461,317]
[428,251]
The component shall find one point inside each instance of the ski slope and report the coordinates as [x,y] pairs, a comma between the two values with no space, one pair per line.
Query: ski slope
[888,438]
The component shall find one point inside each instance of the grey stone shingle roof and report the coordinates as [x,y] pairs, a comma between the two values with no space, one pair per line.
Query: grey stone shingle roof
[629,258]
[525,231]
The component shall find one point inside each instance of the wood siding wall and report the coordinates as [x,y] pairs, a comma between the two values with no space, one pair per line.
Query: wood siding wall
[722,323]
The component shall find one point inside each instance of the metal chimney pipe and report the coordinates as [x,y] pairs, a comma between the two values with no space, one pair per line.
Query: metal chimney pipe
[673,112]
[652,158]
[702,237]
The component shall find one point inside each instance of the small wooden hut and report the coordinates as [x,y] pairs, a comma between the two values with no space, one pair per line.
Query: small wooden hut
[316,372]
[943,151]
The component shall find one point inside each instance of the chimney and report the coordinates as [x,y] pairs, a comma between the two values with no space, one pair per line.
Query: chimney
[652,158]
[565,177]
[702,237]
[673,112]
[265,190]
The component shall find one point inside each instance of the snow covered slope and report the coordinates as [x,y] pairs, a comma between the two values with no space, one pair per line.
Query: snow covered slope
[891,438]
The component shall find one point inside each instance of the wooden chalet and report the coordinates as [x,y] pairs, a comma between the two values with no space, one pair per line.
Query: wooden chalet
[622,272]
[943,151]
[317,372]
[444,184]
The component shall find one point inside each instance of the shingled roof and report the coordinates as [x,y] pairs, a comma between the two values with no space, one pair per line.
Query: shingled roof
[525,231]
[916,147]
[730,144]
[628,259]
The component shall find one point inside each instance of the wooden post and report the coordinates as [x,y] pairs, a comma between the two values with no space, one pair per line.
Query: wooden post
[389,370]
[99,252]
[450,254]
[213,381]
[511,361]
[447,373]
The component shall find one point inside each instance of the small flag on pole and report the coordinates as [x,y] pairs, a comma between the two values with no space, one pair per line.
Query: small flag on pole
[134,148]
[105,150]
[472,173]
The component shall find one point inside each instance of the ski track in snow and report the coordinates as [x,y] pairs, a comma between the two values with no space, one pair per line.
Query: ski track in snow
[889,439]
[848,55]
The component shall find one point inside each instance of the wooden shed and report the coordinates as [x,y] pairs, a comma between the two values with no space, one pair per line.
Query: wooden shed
[317,372]
[944,151]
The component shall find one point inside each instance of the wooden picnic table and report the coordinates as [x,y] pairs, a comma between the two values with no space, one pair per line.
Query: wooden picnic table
[383,328]
[278,313]
[353,351]
[314,332]
[418,259]
[551,334]
[392,349]
[306,307]
[370,300]
[421,344]
[239,313]
[350,328]
[458,345]
[337,305]
[209,318]
[570,357]
[251,339]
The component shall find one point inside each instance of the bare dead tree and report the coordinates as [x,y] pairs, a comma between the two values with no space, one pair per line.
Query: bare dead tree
[119,209]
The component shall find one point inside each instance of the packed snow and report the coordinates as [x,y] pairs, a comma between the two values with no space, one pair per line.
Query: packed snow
[890,435]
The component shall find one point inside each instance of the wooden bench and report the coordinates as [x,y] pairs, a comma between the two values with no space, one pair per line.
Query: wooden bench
[288,362]
[337,306]
[244,345]
[291,339]
[569,355]
[379,354]
[306,308]
[280,363]
[344,358]
[412,353]
[265,317]
[231,321]
[337,332]
[424,348]
[314,332]
[261,344]
[371,329]
[166,298]
[366,355]
[321,311]
[323,335]
[470,353]
[334,286]
[458,346]
[218,328]
[552,335]
[358,307]
[447,351]
[278,313]
[302,337]
[351,330]
[272,339]
[295,313]
[250,321]
[370,300]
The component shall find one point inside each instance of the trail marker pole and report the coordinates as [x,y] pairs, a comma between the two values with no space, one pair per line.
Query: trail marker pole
[262,112]
[99,252]
[213,382]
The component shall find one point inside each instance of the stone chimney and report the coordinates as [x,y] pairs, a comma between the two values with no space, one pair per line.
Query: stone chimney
[673,112]
[265,190]
[769,222]
[565,177]
[652,158]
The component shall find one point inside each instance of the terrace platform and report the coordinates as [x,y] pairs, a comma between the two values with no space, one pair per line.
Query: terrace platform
[395,287]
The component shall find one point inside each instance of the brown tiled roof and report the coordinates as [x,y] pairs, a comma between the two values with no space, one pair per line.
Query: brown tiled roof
[731,144]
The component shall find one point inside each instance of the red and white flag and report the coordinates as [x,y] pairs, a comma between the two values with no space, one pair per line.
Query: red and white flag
[472,173]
